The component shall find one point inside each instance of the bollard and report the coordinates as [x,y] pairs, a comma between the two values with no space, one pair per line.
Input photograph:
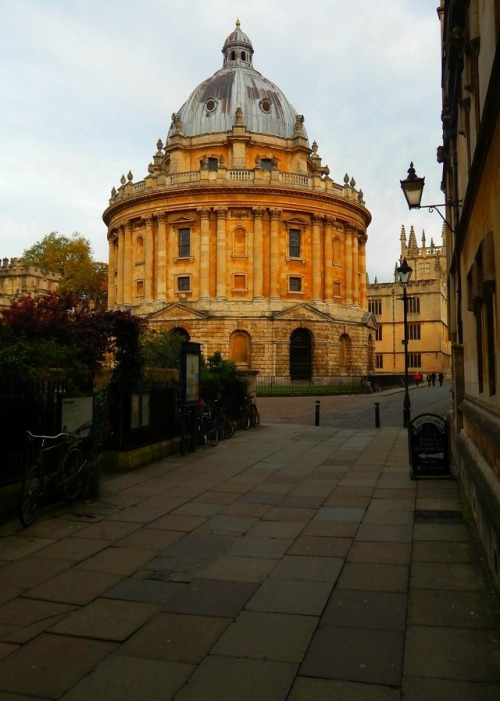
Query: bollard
[316,419]
[377,414]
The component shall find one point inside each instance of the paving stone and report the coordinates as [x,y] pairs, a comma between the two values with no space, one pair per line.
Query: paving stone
[179,522]
[308,567]
[120,678]
[50,665]
[106,619]
[374,577]
[52,528]
[355,654]
[453,609]
[29,572]
[74,586]
[239,569]
[388,518]
[277,529]
[332,529]
[207,597]
[195,508]
[434,575]
[335,501]
[147,590]
[240,508]
[440,532]
[389,534]
[320,546]
[352,515]
[233,525]
[257,497]
[14,547]
[279,513]
[435,551]
[291,596]
[446,689]
[234,679]
[305,689]
[268,636]
[75,549]
[150,538]
[380,553]
[205,545]
[179,638]
[366,609]
[24,612]
[107,530]
[253,546]
[116,560]
[452,653]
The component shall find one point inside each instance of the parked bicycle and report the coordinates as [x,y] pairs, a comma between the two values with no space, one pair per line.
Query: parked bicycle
[59,461]
[225,427]
[249,415]
[207,427]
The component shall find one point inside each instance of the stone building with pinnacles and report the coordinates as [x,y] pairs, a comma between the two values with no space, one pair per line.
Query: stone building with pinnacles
[429,349]
[238,237]
[18,279]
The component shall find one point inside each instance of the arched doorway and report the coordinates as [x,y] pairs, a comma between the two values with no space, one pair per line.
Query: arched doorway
[300,355]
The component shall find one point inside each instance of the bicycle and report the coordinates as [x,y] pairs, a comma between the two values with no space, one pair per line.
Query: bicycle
[207,427]
[59,460]
[249,413]
[225,426]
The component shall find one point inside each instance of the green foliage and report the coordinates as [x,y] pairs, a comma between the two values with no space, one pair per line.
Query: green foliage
[220,380]
[161,349]
[72,259]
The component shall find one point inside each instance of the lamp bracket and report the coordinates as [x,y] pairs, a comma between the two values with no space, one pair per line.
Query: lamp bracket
[435,208]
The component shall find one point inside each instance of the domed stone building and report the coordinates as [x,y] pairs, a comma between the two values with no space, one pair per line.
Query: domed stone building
[239,238]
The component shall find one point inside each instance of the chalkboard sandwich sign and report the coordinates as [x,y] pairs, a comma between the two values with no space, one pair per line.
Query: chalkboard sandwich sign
[428,439]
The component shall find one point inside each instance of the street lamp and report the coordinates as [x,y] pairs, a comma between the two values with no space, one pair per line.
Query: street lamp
[404,272]
[413,188]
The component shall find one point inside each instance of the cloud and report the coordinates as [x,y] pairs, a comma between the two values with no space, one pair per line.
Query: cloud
[89,87]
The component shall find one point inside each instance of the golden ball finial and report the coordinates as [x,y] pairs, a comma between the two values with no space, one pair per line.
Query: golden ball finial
[237,22]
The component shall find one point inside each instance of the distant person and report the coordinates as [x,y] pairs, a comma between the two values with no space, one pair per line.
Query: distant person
[433,379]
[440,378]
[429,379]
[417,378]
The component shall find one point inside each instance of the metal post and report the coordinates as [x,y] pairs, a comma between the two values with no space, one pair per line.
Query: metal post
[316,419]
[377,414]
[406,400]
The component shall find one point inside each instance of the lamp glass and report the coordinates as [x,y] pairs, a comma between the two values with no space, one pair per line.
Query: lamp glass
[413,187]
[404,272]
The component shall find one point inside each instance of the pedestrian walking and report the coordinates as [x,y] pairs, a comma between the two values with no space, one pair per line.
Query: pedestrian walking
[433,379]
[440,378]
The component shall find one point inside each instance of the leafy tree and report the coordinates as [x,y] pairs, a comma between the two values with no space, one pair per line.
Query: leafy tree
[220,380]
[162,349]
[72,259]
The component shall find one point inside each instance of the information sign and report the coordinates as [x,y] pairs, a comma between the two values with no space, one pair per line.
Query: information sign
[428,440]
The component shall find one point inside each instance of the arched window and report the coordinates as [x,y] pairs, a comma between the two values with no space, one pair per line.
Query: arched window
[239,242]
[139,249]
[240,348]
[181,332]
[345,351]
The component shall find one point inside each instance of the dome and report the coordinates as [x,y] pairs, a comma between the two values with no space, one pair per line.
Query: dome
[211,107]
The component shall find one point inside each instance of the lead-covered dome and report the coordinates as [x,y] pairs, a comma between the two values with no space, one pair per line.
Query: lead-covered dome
[211,107]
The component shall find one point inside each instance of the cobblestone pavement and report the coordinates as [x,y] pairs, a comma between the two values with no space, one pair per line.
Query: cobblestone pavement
[292,562]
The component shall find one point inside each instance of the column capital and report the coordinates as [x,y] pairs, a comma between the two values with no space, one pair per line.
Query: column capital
[221,212]
[258,212]
[275,213]
[317,219]
[204,212]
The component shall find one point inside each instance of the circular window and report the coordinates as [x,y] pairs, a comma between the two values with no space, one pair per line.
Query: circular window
[211,104]
[265,106]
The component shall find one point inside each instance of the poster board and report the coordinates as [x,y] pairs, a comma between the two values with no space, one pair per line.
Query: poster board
[428,440]
[190,373]
[77,415]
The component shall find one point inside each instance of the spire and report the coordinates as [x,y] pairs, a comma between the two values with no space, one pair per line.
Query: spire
[412,242]
[237,49]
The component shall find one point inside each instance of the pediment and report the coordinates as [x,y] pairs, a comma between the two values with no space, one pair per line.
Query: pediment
[302,311]
[176,312]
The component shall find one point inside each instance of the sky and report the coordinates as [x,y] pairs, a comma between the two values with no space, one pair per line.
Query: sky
[89,86]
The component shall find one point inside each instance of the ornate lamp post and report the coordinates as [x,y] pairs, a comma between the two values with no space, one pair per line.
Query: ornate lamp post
[404,272]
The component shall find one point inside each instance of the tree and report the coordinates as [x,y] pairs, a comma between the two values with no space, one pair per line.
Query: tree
[72,259]
[162,349]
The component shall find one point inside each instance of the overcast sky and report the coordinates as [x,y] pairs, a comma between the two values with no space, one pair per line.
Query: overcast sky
[88,87]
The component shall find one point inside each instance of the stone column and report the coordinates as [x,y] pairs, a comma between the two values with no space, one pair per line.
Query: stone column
[274,258]
[172,248]
[204,253]
[221,292]
[161,254]
[348,265]
[362,271]
[328,235]
[149,261]
[112,268]
[355,269]
[258,264]
[128,264]
[316,258]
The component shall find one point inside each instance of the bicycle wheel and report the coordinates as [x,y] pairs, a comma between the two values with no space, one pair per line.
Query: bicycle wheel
[254,416]
[228,428]
[245,418]
[72,474]
[212,435]
[30,494]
